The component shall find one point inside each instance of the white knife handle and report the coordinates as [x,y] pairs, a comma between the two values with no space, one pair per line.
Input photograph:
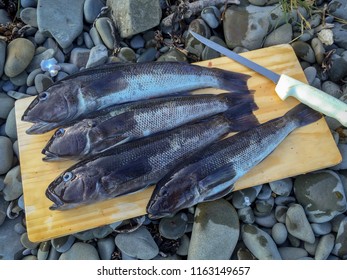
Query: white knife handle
[312,97]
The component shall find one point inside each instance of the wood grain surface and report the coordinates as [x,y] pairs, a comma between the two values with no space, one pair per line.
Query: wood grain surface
[307,149]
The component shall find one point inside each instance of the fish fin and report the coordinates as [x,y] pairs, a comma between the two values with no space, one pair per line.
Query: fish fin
[110,142]
[219,183]
[234,98]
[241,117]
[232,81]
[303,114]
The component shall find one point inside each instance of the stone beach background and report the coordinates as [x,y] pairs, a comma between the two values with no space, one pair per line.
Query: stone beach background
[295,218]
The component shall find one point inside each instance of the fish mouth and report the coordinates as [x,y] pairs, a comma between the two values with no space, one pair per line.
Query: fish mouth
[159,215]
[49,156]
[26,115]
[41,127]
[57,203]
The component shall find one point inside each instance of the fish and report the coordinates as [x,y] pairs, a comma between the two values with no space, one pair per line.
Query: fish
[135,165]
[211,173]
[94,89]
[136,120]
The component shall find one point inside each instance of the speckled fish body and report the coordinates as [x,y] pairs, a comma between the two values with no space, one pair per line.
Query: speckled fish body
[135,165]
[137,120]
[211,174]
[96,88]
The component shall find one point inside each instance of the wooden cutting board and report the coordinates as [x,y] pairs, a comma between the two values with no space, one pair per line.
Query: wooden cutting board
[306,149]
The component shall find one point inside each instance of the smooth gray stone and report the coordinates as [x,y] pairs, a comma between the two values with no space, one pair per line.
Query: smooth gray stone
[297,223]
[264,207]
[3,47]
[20,202]
[343,164]
[294,241]
[246,215]
[265,192]
[321,228]
[31,91]
[340,34]
[29,16]
[79,57]
[318,49]
[8,86]
[36,61]
[3,207]
[137,42]
[310,74]
[42,82]
[173,227]
[266,221]
[340,247]
[63,244]
[104,27]
[11,125]
[215,231]
[129,15]
[20,79]
[80,251]
[13,184]
[53,254]
[19,228]
[32,75]
[95,36]
[281,35]
[4,17]
[6,154]
[106,247]
[259,243]
[292,253]
[173,55]
[209,53]
[245,197]
[279,233]
[64,26]
[92,9]
[61,75]
[332,89]
[304,51]
[321,194]
[263,2]
[19,54]
[103,231]
[338,69]
[28,3]
[311,247]
[138,244]
[39,37]
[98,56]
[193,45]
[338,9]
[27,243]
[69,68]
[10,244]
[211,15]
[126,55]
[44,248]
[182,250]
[324,247]
[148,55]
[88,40]
[6,105]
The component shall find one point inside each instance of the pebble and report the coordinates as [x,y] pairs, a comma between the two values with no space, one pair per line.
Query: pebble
[103,231]
[79,57]
[137,42]
[36,61]
[69,68]
[340,34]
[245,197]
[80,251]
[19,228]
[318,49]
[32,75]
[246,215]
[138,244]
[92,9]
[304,51]
[292,253]
[259,243]
[11,126]
[148,55]
[31,91]
[98,56]
[19,54]
[309,190]
[29,16]
[94,35]
[297,223]
[173,227]
[340,247]
[324,247]
[3,46]
[310,74]
[279,233]
[209,53]
[104,27]
[264,206]
[173,55]
[215,232]
[182,250]
[63,244]
[193,45]
[127,55]
[211,15]
[20,79]
[64,27]
[88,40]
[281,35]
[53,254]
[126,15]
[265,192]
[13,185]
[44,248]
[42,82]
[4,17]
[338,9]
[332,89]
[263,2]
[106,247]
[266,221]
[6,105]
[10,243]
[338,69]
[20,202]
[311,247]
[321,228]
[28,3]
[24,239]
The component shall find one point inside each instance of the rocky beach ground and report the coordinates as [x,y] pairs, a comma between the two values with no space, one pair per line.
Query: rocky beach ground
[303,217]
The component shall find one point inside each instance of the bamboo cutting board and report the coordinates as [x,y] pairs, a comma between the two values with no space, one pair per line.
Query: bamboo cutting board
[306,149]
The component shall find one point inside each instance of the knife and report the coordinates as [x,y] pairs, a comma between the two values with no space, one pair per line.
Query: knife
[287,86]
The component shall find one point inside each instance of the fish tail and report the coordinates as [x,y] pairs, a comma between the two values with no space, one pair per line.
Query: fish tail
[232,81]
[242,96]
[303,115]
[241,116]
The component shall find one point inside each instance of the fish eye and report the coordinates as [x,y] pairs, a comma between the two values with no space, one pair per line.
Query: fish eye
[60,132]
[67,176]
[43,96]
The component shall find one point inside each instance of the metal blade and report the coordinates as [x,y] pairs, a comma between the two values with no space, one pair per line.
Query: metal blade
[240,59]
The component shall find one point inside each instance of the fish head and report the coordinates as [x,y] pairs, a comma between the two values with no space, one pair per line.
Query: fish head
[71,142]
[56,105]
[74,187]
[170,197]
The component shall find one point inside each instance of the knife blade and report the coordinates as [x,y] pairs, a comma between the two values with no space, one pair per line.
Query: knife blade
[287,86]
